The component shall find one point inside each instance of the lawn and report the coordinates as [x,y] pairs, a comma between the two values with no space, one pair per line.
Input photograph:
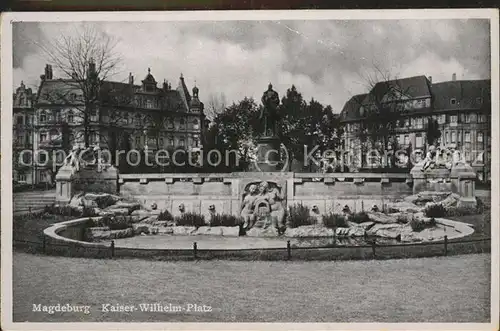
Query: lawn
[441,289]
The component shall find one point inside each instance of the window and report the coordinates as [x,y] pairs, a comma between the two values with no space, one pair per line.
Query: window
[43,117]
[441,119]
[170,123]
[126,118]
[20,140]
[419,141]
[182,142]
[467,118]
[19,120]
[419,123]
[42,157]
[182,123]
[481,118]
[137,141]
[453,101]
[467,137]
[453,137]
[70,118]
[407,122]
[196,142]
[195,124]
[479,137]
[43,136]
[399,139]
[447,137]
[21,177]
[407,140]
[171,142]
[453,119]
[93,115]
[149,103]
[467,156]
[29,119]
[161,142]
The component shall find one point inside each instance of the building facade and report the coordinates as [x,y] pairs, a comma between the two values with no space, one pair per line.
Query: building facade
[461,109]
[124,116]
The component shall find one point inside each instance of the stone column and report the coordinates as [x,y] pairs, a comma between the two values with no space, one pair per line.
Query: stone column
[64,185]
[463,180]
[268,154]
[419,179]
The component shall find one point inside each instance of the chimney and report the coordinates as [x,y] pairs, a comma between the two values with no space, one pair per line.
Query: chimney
[130,78]
[48,71]
[454,77]
[430,79]
[165,85]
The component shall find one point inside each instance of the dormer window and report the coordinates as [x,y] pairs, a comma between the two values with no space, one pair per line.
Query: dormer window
[479,100]
[453,101]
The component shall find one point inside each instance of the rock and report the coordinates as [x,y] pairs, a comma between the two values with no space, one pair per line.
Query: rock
[119,211]
[76,202]
[137,219]
[140,228]
[262,232]
[150,220]
[160,223]
[131,206]
[392,231]
[230,231]
[451,201]
[102,200]
[356,231]
[183,230]
[153,230]
[89,203]
[381,218]
[141,213]
[366,225]
[309,231]
[124,233]
[427,196]
[208,230]
[404,206]
[165,230]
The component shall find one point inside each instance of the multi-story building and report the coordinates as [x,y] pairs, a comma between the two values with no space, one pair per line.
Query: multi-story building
[22,135]
[125,116]
[461,108]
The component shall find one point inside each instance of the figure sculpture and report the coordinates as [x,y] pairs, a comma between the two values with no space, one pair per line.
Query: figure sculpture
[263,204]
[270,101]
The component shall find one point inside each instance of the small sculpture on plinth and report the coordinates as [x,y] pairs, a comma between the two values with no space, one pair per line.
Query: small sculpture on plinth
[269,116]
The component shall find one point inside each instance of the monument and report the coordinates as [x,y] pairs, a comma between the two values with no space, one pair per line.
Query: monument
[268,143]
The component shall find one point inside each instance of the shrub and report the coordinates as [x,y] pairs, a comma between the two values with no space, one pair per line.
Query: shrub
[88,212]
[418,224]
[401,219]
[333,221]
[435,210]
[224,220]
[359,217]
[165,215]
[104,201]
[190,219]
[298,215]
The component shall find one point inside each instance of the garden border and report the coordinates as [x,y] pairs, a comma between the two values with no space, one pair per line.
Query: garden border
[55,244]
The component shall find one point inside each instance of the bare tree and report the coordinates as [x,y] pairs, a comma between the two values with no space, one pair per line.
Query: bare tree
[381,111]
[216,105]
[86,60]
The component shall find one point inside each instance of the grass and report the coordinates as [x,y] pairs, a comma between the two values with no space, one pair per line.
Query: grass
[442,289]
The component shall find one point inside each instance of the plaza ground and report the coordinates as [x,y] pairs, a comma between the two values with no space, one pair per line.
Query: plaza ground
[441,289]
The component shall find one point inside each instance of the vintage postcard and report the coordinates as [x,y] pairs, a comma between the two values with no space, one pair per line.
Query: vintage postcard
[250,170]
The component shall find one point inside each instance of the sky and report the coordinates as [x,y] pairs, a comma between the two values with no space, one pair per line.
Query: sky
[326,60]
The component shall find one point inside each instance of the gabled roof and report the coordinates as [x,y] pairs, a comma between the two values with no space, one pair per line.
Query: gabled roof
[399,89]
[467,94]
[58,91]
[351,107]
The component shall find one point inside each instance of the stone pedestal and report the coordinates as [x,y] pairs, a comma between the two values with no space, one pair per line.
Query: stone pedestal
[463,178]
[64,185]
[268,154]
[437,180]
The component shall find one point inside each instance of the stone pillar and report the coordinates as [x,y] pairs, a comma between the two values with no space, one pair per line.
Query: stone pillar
[419,179]
[64,185]
[463,180]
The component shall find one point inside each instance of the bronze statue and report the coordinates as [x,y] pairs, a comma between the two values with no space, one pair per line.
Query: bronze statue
[270,101]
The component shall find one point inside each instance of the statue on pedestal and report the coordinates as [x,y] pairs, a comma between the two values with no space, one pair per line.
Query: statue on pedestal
[270,101]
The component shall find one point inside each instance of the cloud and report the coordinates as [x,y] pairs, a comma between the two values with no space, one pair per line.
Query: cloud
[325,60]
